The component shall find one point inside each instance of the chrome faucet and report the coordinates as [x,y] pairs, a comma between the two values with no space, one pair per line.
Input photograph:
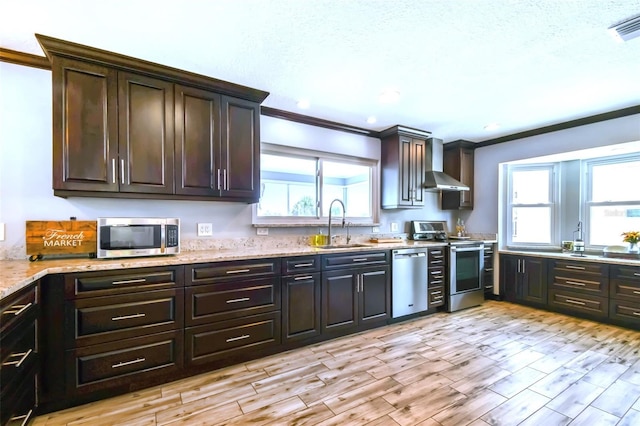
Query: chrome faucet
[329,241]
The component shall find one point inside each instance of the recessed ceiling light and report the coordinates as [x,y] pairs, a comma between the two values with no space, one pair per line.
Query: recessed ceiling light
[371,119]
[389,96]
[304,104]
[492,126]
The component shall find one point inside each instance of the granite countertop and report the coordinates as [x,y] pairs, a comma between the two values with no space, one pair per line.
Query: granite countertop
[17,274]
[598,258]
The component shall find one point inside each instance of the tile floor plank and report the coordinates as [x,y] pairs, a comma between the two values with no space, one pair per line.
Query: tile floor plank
[498,363]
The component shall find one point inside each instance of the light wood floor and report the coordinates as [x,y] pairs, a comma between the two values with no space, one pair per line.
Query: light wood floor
[499,364]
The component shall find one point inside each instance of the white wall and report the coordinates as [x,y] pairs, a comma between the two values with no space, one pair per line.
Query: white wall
[485,215]
[26,170]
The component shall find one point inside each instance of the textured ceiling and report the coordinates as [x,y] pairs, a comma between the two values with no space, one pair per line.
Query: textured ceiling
[458,64]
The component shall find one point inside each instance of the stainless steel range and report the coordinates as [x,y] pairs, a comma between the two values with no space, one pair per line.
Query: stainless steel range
[466,263]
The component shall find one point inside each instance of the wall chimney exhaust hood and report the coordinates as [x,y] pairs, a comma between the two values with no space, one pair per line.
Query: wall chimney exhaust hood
[435,178]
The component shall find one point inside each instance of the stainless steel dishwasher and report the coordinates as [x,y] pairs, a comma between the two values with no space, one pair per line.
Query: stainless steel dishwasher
[409,282]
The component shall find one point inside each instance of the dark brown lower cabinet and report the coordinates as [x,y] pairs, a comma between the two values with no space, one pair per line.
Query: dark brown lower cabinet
[19,353]
[301,305]
[355,299]
[524,279]
[592,306]
[124,365]
[237,339]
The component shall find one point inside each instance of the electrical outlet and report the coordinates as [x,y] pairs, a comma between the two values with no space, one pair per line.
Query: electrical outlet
[262,231]
[205,230]
[1,231]
[375,229]
[394,227]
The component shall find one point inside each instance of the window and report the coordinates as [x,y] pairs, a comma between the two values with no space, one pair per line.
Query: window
[532,205]
[298,186]
[613,199]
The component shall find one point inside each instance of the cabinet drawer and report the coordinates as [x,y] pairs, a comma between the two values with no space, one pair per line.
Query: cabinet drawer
[579,269]
[577,302]
[436,276]
[226,271]
[436,296]
[17,402]
[334,261]
[105,319]
[435,257]
[595,286]
[19,353]
[302,264]
[625,311]
[123,362]
[95,284]
[241,337]
[16,307]
[216,302]
[625,282]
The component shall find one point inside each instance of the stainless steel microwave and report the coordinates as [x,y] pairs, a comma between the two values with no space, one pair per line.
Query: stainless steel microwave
[136,236]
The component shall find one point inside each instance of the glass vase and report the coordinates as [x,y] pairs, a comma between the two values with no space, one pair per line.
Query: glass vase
[633,248]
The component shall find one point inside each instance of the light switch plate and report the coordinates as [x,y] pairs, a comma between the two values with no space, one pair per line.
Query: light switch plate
[394,227]
[262,231]
[205,230]
[375,229]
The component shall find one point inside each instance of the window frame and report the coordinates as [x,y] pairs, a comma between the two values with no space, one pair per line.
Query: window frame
[319,219]
[587,184]
[554,195]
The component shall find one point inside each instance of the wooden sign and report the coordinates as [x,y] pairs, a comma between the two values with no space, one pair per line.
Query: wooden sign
[61,237]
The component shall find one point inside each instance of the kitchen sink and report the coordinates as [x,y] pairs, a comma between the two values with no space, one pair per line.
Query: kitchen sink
[343,246]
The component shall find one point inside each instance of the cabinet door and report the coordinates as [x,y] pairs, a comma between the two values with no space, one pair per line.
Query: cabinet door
[412,169]
[418,171]
[146,133]
[240,149]
[374,295]
[509,277]
[339,301]
[85,126]
[197,125]
[300,306]
[534,285]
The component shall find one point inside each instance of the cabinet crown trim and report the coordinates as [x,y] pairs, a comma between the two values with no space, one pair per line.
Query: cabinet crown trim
[61,48]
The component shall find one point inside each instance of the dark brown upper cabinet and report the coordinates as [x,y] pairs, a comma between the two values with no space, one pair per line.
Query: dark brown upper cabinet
[403,167]
[127,128]
[458,163]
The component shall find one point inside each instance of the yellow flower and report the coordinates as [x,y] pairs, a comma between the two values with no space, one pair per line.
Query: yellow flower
[631,237]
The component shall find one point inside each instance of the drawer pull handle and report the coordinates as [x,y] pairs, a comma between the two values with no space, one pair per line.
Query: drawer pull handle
[136,281]
[436,252]
[125,363]
[304,277]
[436,292]
[360,259]
[437,298]
[238,271]
[242,299]
[18,309]
[488,269]
[23,356]
[233,339]
[25,418]
[636,314]
[575,283]
[435,261]
[488,286]
[580,268]
[575,302]
[636,274]
[126,317]
[636,292]
[302,265]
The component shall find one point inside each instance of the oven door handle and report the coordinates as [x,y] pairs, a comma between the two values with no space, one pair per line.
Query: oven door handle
[475,248]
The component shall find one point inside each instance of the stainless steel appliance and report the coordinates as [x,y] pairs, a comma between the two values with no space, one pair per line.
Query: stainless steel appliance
[409,282]
[136,236]
[466,263]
